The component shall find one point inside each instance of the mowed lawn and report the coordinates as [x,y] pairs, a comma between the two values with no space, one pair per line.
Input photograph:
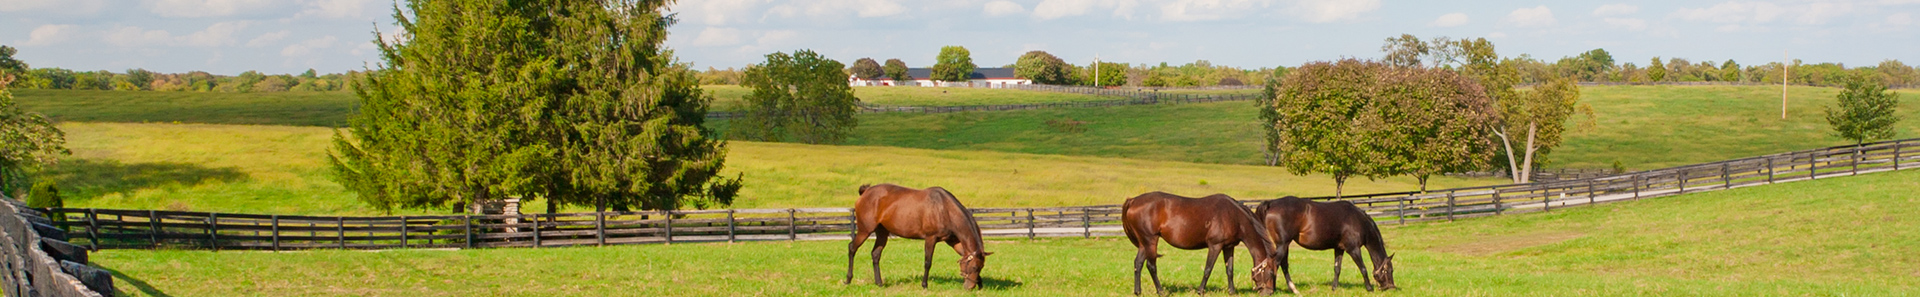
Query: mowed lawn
[1849,236]
[731,97]
[284,170]
[277,108]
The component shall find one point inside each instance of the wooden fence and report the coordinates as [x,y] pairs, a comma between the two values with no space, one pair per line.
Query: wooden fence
[145,229]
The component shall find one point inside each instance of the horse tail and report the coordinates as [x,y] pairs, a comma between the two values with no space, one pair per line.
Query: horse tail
[863,188]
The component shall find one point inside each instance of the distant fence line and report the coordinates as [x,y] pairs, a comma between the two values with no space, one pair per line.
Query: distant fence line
[40,262]
[1135,96]
[149,229]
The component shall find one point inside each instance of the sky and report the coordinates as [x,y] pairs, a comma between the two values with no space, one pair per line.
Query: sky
[291,36]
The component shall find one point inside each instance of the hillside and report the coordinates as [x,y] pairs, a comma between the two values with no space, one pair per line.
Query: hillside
[1848,236]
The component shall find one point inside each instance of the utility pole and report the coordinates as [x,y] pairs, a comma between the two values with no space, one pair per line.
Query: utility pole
[1096,70]
[1785,64]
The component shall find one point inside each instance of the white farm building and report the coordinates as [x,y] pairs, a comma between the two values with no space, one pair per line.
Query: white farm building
[981,77]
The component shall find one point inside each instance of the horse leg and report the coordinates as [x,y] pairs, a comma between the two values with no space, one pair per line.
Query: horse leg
[926,268]
[1231,290]
[1152,252]
[1283,247]
[1362,268]
[879,243]
[1213,253]
[1139,258]
[1335,284]
[859,238]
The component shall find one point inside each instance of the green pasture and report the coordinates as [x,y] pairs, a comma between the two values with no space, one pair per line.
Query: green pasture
[1849,236]
[277,108]
[731,97]
[284,170]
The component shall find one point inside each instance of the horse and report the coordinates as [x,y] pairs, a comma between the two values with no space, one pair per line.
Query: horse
[1337,225]
[1215,222]
[932,214]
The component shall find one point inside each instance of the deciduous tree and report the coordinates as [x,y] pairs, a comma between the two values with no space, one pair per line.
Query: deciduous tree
[866,68]
[897,70]
[32,141]
[1042,68]
[797,97]
[1865,111]
[954,64]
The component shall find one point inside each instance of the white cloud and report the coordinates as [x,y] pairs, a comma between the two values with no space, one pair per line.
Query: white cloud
[207,8]
[1003,8]
[82,7]
[1752,13]
[1450,20]
[268,38]
[128,36]
[1053,9]
[1203,10]
[1326,11]
[713,36]
[720,12]
[307,47]
[1898,19]
[1531,17]
[1616,9]
[1496,35]
[1627,23]
[334,8]
[48,35]
[776,37]
[219,34]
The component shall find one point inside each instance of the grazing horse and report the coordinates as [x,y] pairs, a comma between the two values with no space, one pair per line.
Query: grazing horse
[1214,222]
[932,214]
[1337,225]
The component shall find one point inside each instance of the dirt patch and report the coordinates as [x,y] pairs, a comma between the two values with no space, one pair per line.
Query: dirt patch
[1496,244]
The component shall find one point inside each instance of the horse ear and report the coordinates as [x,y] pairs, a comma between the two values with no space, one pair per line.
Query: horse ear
[986,253]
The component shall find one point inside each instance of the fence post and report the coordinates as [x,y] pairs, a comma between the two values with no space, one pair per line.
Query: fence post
[1855,159]
[1683,181]
[1546,200]
[213,231]
[1449,206]
[1029,223]
[1590,193]
[1726,177]
[1896,153]
[1636,186]
[600,227]
[153,219]
[729,226]
[1498,207]
[341,231]
[1769,170]
[1086,220]
[793,223]
[276,233]
[403,232]
[1813,165]
[1402,209]
[536,230]
[469,231]
[93,228]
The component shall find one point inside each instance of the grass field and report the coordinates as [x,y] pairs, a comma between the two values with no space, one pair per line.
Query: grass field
[1847,236]
[279,108]
[283,170]
[730,97]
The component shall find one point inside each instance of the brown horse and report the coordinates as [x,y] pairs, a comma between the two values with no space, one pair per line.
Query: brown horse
[1337,225]
[932,214]
[1214,222]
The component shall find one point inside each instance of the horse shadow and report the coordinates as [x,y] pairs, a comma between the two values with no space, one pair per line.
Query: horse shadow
[86,179]
[986,283]
[139,284]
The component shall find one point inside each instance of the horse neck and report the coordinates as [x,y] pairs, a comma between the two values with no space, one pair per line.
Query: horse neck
[1374,243]
[1256,240]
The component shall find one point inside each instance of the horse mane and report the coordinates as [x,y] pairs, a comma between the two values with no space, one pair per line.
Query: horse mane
[863,188]
[972,226]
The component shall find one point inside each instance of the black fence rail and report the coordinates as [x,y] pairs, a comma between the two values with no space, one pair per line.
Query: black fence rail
[146,229]
[40,262]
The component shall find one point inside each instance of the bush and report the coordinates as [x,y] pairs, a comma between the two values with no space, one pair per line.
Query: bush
[45,195]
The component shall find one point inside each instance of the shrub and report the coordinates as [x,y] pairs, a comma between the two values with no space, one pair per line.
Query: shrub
[45,195]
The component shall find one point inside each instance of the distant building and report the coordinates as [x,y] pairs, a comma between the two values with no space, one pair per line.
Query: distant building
[985,77]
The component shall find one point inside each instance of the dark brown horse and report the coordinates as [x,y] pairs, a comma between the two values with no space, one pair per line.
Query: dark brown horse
[1337,225]
[932,214]
[1214,222]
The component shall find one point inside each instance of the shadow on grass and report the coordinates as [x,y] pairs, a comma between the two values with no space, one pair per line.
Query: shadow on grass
[144,287]
[85,179]
[986,283]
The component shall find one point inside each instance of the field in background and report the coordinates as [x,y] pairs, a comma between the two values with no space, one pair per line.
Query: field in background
[329,109]
[1842,237]
[730,97]
[284,170]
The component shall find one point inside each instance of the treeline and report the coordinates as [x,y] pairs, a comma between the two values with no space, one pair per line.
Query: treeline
[26,77]
[1598,65]
[1044,68]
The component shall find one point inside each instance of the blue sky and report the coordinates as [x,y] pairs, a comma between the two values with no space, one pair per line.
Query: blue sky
[283,36]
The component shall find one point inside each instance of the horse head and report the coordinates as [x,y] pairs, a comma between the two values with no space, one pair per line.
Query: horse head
[1263,274]
[1383,272]
[970,267]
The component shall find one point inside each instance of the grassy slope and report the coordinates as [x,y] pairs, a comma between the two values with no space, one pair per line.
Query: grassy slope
[1219,132]
[282,108]
[1843,237]
[728,97]
[273,169]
